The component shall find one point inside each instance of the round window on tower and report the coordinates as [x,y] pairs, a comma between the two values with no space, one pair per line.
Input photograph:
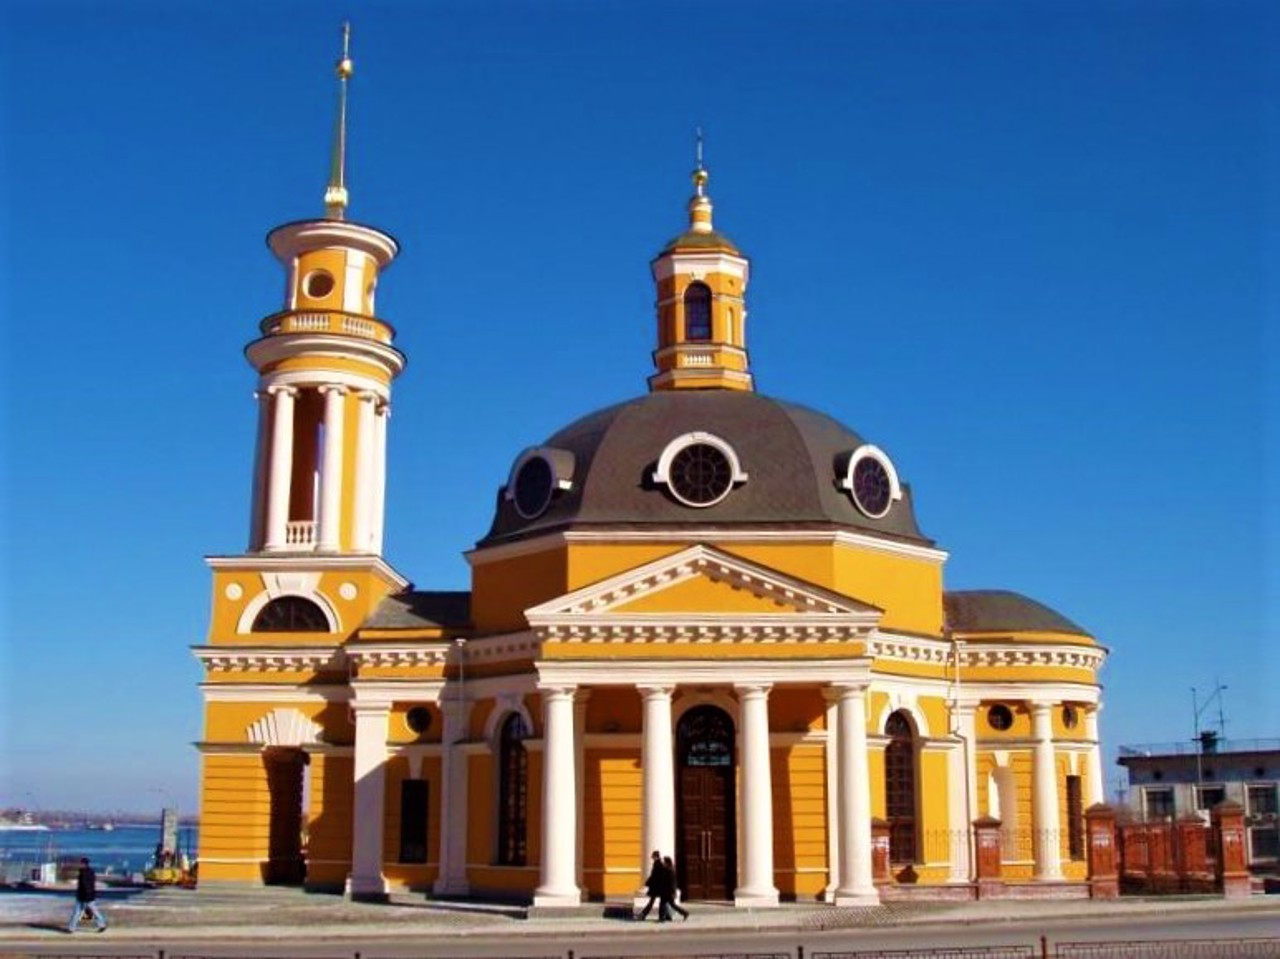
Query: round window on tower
[418,719]
[1000,717]
[699,469]
[869,477]
[318,284]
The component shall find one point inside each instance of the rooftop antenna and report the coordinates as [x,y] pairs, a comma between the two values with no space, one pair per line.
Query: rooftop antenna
[335,195]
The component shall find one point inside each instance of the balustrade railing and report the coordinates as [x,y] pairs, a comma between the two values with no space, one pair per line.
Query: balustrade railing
[327,321]
[300,533]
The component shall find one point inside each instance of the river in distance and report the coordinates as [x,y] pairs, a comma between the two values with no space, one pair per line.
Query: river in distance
[124,849]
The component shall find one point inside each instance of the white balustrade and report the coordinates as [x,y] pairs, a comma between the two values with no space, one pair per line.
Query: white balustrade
[300,533]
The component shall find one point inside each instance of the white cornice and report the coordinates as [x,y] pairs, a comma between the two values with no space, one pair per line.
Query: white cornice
[698,265]
[282,346]
[366,653]
[910,649]
[303,562]
[273,693]
[506,647]
[270,659]
[1033,654]
[703,672]
[289,240]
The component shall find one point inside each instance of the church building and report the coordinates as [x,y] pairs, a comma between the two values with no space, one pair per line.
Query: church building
[703,621]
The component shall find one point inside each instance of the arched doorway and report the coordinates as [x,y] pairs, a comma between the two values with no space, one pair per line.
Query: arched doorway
[706,861]
[900,788]
[286,786]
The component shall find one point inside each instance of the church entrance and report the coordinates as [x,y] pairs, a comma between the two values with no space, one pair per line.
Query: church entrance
[706,860]
[286,771]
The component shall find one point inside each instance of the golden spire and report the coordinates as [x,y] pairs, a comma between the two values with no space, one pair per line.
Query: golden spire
[335,195]
[700,203]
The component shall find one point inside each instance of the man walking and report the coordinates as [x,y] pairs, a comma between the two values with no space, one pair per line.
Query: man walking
[653,885]
[669,890]
[86,898]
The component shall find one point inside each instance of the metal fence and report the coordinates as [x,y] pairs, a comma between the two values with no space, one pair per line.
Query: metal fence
[1180,949]
[957,952]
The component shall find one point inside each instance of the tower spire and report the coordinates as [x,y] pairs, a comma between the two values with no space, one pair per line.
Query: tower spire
[700,203]
[335,195]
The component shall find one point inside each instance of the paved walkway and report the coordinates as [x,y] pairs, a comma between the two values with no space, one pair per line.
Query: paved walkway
[274,913]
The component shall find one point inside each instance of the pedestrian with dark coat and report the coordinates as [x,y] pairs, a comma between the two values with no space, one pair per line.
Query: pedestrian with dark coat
[86,898]
[668,901]
[653,885]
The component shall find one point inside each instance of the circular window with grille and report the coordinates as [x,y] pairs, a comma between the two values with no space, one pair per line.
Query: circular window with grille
[868,474]
[535,482]
[699,469]
[1000,717]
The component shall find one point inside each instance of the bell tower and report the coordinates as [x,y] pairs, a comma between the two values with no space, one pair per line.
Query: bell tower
[701,279]
[325,363]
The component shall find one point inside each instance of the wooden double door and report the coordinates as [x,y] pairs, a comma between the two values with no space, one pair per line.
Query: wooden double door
[706,862]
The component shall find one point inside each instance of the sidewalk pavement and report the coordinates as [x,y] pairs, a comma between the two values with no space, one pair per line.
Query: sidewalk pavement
[287,914]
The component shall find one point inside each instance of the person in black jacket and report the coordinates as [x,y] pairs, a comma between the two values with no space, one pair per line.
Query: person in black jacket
[653,885]
[86,898]
[668,900]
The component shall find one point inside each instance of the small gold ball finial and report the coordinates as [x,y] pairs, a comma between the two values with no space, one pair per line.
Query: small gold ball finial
[345,68]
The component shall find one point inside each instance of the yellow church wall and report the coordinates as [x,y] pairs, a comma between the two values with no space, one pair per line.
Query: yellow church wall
[1021,728]
[888,667]
[796,709]
[333,262]
[908,590]
[875,780]
[704,593]
[398,731]
[936,714]
[416,876]
[350,493]
[612,821]
[480,807]
[235,818]
[615,710]
[933,792]
[501,590]
[689,650]
[799,820]
[1069,733]
[329,820]
[229,722]
[1018,674]
[426,672]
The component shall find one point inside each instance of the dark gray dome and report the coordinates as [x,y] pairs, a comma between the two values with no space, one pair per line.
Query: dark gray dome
[792,456]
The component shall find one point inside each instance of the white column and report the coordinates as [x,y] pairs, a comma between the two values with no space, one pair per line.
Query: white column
[833,792]
[757,888]
[379,474]
[281,465]
[452,877]
[857,888]
[1093,771]
[366,442]
[580,699]
[1044,794]
[329,533]
[559,802]
[260,451]
[962,778]
[657,766]
[367,881]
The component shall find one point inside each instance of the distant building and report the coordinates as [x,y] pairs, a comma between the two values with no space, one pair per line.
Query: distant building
[1173,780]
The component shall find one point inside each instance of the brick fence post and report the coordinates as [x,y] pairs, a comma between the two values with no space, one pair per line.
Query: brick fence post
[1191,861]
[986,834]
[1100,827]
[1232,870]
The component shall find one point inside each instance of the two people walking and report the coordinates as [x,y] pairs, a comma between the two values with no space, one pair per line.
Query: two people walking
[661,886]
[87,898]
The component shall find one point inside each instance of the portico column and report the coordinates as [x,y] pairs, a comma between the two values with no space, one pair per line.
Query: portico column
[367,881]
[381,417]
[366,443]
[757,887]
[962,786]
[452,878]
[1044,795]
[856,885]
[256,532]
[657,765]
[329,534]
[281,465]
[559,885]
[1096,787]
[580,699]
[832,756]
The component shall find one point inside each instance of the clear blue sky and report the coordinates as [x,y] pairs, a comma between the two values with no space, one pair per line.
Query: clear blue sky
[1027,248]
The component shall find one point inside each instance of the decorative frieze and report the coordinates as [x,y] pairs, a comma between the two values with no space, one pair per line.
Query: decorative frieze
[263,659]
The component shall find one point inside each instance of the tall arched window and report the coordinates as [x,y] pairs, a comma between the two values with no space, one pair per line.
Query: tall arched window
[697,312]
[900,788]
[513,791]
[290,614]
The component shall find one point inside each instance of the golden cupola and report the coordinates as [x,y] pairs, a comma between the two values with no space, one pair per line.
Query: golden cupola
[701,279]
[325,363]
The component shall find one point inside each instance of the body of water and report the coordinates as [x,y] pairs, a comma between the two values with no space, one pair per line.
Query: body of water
[125,849]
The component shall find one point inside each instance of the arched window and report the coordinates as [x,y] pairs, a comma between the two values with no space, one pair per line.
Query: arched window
[697,312]
[290,614]
[900,788]
[513,791]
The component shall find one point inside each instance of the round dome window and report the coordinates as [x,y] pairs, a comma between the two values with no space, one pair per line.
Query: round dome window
[701,475]
[534,485]
[872,488]
[318,284]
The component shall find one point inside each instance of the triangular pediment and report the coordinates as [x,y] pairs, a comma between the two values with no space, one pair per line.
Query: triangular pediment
[702,588]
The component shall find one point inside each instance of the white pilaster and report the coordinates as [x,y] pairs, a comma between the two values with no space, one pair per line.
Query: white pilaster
[961,776]
[1044,794]
[383,415]
[857,887]
[833,802]
[580,699]
[281,465]
[367,880]
[329,533]
[452,877]
[1093,772]
[366,442]
[657,766]
[757,888]
[559,802]
[257,534]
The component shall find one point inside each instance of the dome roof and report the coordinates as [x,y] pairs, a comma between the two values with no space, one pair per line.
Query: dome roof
[1001,611]
[793,458]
